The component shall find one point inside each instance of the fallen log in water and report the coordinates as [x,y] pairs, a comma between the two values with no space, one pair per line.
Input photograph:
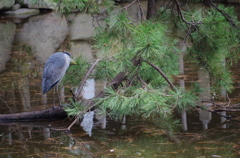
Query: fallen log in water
[51,113]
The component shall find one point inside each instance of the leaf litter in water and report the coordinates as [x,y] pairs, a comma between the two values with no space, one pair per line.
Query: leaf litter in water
[52,155]
[216,156]
[207,148]
[209,142]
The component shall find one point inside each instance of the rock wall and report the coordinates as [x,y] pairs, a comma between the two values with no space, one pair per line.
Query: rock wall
[6,4]
[44,34]
[12,7]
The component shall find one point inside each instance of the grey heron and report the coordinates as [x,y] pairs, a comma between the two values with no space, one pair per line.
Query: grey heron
[54,70]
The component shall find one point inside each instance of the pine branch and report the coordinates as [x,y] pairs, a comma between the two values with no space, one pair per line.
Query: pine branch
[77,117]
[227,16]
[188,24]
[163,75]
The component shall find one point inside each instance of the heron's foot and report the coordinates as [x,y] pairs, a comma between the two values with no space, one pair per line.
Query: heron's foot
[54,107]
[61,105]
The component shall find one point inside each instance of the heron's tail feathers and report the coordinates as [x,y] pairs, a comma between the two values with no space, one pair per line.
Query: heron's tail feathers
[46,86]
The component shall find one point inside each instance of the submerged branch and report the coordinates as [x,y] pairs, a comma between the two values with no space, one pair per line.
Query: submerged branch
[33,115]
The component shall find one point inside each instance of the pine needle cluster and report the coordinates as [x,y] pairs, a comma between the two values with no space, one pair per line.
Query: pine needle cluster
[85,6]
[145,93]
[76,72]
[215,45]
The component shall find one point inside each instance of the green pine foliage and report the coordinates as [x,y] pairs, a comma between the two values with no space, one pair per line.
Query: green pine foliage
[145,94]
[76,72]
[182,99]
[215,45]
[85,6]
[134,102]
[71,5]
[102,71]
[74,109]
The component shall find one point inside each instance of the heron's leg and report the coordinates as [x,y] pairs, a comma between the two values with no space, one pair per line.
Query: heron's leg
[53,93]
[53,96]
[59,100]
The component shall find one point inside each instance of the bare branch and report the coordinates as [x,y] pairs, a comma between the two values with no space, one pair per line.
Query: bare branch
[127,5]
[77,94]
[77,117]
[141,11]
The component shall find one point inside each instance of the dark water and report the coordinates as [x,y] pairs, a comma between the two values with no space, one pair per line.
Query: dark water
[41,139]
[26,44]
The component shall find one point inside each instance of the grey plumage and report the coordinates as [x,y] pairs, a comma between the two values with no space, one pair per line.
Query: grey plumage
[54,70]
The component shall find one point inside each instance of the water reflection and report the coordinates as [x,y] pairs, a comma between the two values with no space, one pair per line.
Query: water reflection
[24,93]
[7,32]
[87,122]
[182,47]
[223,119]
[204,83]
[41,139]
[15,82]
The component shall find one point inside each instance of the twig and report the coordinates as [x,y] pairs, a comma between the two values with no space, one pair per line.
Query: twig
[127,5]
[188,24]
[163,75]
[141,11]
[75,120]
[204,101]
[142,81]
[228,110]
[228,17]
[6,105]
[220,110]
[166,6]
[77,117]
[73,96]
[175,105]
[77,94]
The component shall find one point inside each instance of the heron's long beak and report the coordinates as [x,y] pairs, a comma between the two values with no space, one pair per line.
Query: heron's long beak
[72,61]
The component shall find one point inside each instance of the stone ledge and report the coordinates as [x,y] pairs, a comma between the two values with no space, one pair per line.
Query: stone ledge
[22,11]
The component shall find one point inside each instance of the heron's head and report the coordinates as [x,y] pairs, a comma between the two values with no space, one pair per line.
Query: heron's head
[69,57]
[67,53]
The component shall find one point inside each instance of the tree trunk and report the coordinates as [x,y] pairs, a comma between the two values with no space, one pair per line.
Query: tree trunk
[151,10]
[207,3]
